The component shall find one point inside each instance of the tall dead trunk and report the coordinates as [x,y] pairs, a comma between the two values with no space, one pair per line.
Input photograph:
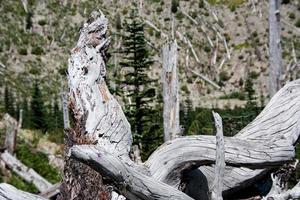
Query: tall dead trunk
[11,130]
[79,180]
[170,91]
[275,55]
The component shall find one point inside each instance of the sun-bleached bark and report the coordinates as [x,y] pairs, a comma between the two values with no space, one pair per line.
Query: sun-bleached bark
[220,159]
[170,91]
[28,174]
[275,51]
[10,192]
[103,137]
[11,130]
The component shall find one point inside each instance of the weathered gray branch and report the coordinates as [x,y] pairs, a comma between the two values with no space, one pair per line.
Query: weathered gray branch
[220,159]
[11,130]
[170,91]
[28,174]
[132,183]
[10,192]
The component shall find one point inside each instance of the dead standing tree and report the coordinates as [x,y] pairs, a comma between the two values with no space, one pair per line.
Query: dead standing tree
[102,139]
[275,52]
[267,142]
[170,91]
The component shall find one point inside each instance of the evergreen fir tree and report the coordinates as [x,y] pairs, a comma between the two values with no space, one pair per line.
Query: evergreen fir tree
[174,6]
[26,114]
[136,62]
[37,108]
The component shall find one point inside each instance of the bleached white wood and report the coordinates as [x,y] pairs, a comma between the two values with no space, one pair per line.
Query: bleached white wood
[172,158]
[11,130]
[20,119]
[64,101]
[156,28]
[205,78]
[267,141]
[280,191]
[9,192]
[170,90]
[28,174]
[131,182]
[103,119]
[52,191]
[275,51]
[220,159]
[193,50]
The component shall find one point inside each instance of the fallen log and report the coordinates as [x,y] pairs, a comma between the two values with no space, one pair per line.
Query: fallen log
[266,142]
[10,192]
[28,174]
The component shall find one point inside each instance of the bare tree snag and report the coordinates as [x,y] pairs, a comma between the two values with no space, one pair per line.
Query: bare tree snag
[86,81]
[170,91]
[220,159]
[28,174]
[275,52]
[11,130]
[102,137]
[10,192]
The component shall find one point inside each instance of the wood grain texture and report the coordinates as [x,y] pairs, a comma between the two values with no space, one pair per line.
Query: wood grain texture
[9,192]
[28,174]
[170,91]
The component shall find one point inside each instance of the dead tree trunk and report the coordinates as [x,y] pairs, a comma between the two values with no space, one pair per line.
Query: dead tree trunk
[267,142]
[170,91]
[275,55]
[79,180]
[11,130]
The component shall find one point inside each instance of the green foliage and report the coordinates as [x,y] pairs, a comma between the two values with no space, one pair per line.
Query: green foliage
[22,51]
[37,108]
[37,50]
[285,1]
[118,21]
[174,6]
[42,22]
[19,183]
[37,161]
[9,102]
[139,89]
[179,15]
[234,95]
[292,16]
[297,23]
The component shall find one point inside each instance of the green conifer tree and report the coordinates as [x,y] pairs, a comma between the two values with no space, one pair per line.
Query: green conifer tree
[26,114]
[136,62]
[37,108]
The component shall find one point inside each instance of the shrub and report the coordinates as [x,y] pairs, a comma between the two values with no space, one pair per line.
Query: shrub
[297,24]
[42,22]
[292,16]
[36,50]
[22,51]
